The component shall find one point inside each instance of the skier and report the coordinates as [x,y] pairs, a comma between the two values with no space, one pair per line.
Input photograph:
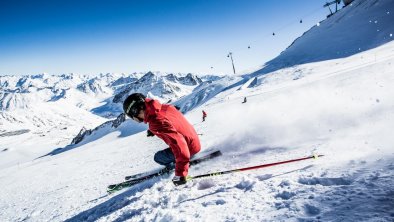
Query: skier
[244,100]
[204,115]
[167,123]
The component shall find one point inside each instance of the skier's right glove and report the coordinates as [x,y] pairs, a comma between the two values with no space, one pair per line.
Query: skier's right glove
[178,180]
[149,133]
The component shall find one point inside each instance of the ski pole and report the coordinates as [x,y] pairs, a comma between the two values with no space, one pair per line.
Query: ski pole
[252,167]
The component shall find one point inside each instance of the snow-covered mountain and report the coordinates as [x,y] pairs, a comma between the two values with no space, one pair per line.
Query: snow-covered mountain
[68,107]
[164,88]
[339,106]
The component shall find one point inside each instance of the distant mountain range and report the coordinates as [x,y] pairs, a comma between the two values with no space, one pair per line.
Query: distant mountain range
[86,101]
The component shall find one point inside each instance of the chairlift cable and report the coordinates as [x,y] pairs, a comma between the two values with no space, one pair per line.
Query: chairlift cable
[223,59]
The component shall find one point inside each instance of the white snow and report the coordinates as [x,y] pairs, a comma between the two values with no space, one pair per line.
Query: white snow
[342,108]
[339,36]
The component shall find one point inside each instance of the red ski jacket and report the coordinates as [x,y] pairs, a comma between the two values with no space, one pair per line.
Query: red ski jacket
[167,123]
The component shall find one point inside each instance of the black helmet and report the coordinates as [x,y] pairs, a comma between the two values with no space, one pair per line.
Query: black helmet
[133,104]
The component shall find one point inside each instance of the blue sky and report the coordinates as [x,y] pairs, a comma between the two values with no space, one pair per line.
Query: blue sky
[100,36]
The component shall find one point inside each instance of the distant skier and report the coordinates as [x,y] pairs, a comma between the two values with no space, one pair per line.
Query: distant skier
[167,123]
[245,100]
[204,115]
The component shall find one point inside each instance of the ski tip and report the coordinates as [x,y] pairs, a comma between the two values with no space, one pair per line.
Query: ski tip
[214,153]
[109,191]
[217,153]
[113,188]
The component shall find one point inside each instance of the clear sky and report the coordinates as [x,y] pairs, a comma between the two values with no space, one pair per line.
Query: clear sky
[100,36]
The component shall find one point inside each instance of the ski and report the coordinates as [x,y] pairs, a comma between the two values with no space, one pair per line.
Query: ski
[158,172]
[135,179]
[171,168]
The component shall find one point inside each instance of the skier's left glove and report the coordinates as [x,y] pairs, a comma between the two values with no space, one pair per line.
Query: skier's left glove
[178,180]
[149,133]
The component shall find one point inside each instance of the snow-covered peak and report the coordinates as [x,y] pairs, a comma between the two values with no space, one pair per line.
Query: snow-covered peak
[190,79]
[163,87]
[93,86]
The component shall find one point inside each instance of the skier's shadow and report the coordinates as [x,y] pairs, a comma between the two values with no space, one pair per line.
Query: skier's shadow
[269,176]
[220,190]
[114,204]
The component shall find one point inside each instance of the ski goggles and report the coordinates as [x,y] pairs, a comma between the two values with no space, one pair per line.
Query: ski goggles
[132,110]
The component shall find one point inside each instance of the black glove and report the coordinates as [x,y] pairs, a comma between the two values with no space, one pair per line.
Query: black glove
[149,133]
[177,180]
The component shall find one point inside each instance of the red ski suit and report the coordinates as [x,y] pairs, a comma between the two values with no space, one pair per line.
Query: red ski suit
[167,123]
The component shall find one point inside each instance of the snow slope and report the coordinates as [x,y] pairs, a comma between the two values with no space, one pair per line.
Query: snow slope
[360,26]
